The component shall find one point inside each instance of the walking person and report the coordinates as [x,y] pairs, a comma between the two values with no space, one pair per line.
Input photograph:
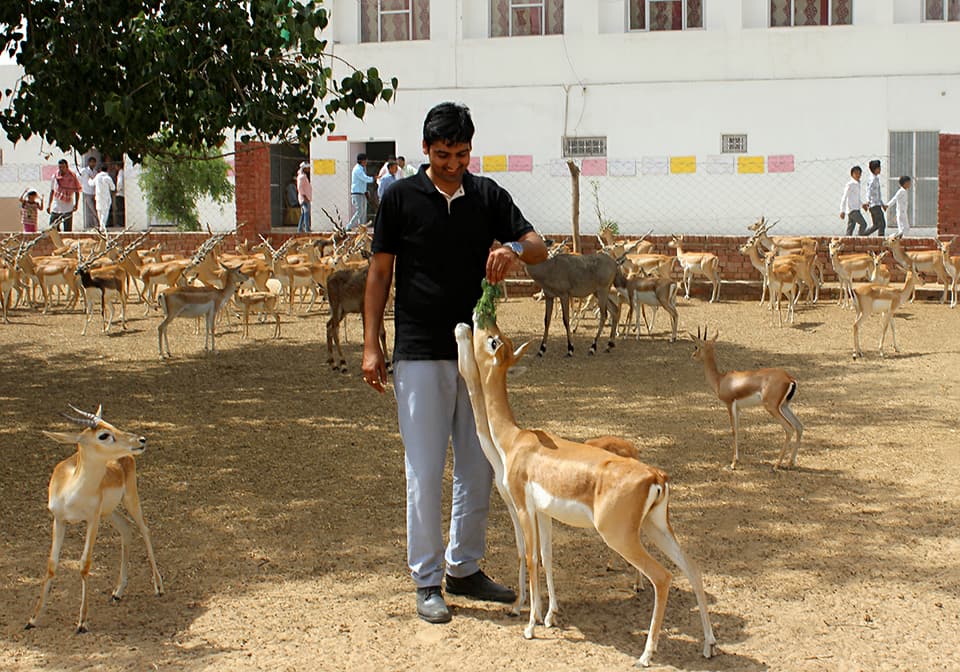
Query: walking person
[31,203]
[103,186]
[851,203]
[901,201]
[358,192]
[875,200]
[64,197]
[393,174]
[304,197]
[87,175]
[434,232]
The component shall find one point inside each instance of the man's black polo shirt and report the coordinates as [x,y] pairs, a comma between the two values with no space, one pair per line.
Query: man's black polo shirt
[441,256]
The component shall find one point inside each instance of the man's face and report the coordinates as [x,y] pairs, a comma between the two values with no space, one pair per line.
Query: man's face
[392,169]
[448,161]
[401,162]
[91,163]
[62,167]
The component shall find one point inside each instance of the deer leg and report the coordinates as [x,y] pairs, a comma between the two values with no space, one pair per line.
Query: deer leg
[53,561]
[548,302]
[798,428]
[131,502]
[657,528]
[734,413]
[565,314]
[86,560]
[333,330]
[545,532]
[893,329]
[856,335]
[121,526]
[528,523]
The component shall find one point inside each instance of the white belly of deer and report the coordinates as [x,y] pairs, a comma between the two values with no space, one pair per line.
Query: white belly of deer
[569,511]
[752,400]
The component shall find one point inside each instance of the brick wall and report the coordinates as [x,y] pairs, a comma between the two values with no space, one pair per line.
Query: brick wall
[949,205]
[252,169]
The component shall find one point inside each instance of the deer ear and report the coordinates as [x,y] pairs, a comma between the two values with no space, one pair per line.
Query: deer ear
[716,334]
[62,437]
[521,351]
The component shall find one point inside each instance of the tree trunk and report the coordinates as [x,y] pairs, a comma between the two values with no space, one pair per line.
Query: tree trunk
[575,183]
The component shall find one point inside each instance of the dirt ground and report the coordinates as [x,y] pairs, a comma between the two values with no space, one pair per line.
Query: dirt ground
[273,488]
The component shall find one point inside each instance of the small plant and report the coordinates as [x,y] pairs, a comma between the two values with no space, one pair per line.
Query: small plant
[604,224]
[485,312]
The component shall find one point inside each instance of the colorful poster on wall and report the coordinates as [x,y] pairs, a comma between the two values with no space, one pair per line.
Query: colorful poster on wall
[559,168]
[474,165]
[780,163]
[324,167]
[750,164]
[520,163]
[593,167]
[655,165]
[47,172]
[719,164]
[621,167]
[683,164]
[495,163]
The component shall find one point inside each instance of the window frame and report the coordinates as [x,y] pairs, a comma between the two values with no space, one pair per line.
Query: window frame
[793,15]
[598,140]
[945,4]
[409,11]
[524,4]
[915,160]
[646,17]
[724,147]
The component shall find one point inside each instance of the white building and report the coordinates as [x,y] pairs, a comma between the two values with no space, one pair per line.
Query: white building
[718,87]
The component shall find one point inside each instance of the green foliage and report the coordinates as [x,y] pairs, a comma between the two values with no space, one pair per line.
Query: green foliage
[172,187]
[604,224]
[142,76]
[485,312]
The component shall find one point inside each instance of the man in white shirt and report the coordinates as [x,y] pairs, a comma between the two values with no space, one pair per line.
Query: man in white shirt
[901,200]
[403,169]
[87,176]
[851,203]
[875,201]
[102,187]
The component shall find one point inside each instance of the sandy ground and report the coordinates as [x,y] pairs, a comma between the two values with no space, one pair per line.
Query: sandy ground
[274,491]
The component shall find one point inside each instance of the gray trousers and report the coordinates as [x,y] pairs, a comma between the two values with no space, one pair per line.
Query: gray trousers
[879,221]
[433,405]
[854,217]
[90,219]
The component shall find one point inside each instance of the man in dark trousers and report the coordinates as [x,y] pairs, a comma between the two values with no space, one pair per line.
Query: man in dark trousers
[435,230]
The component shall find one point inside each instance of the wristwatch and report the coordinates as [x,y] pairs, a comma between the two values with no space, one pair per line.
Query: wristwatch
[515,247]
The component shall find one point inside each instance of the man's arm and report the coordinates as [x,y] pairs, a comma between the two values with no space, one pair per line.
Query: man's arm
[379,277]
[503,258]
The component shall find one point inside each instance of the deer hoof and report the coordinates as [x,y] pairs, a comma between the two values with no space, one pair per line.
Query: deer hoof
[82,628]
[29,626]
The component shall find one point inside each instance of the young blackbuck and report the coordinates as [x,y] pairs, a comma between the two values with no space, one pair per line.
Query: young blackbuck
[88,486]
[544,477]
[772,388]
[881,299]
[197,302]
[706,264]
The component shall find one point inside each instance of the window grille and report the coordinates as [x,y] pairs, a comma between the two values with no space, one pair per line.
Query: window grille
[576,146]
[917,154]
[811,12]
[733,143]
[665,14]
[394,20]
[526,17]
[939,10]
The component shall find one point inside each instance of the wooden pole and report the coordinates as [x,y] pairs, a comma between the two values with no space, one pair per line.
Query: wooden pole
[575,180]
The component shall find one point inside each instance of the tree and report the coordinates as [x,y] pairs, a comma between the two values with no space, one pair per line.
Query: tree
[172,187]
[143,77]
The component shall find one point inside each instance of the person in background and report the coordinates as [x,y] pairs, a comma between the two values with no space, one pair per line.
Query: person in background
[875,201]
[304,197]
[358,192]
[383,169]
[103,186]
[393,174]
[87,175]
[404,169]
[291,201]
[31,203]
[850,203]
[437,229]
[64,197]
[901,200]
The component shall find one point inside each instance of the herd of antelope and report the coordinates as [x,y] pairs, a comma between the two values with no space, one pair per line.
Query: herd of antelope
[106,271]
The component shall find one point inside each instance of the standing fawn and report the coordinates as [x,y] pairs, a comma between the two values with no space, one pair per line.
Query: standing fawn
[771,388]
[88,486]
[881,299]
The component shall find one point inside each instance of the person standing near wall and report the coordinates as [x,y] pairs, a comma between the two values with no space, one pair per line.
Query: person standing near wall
[404,169]
[875,200]
[304,197]
[64,197]
[901,200]
[851,203]
[437,228]
[103,186]
[31,203]
[358,192]
[393,174]
[87,175]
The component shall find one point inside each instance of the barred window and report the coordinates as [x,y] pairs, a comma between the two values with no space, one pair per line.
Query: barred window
[577,146]
[811,13]
[939,10]
[394,20]
[733,143]
[665,14]
[917,154]
[510,18]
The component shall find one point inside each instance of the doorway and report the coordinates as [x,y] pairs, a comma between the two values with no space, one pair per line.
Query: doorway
[378,152]
[285,160]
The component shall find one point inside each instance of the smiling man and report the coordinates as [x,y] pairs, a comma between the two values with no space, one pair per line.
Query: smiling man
[436,230]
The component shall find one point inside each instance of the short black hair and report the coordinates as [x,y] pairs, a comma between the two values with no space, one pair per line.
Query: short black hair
[400,158]
[91,158]
[62,161]
[874,165]
[904,179]
[856,169]
[449,123]
[361,157]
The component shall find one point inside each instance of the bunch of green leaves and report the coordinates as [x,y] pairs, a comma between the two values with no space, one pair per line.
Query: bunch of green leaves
[145,76]
[173,186]
[485,312]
